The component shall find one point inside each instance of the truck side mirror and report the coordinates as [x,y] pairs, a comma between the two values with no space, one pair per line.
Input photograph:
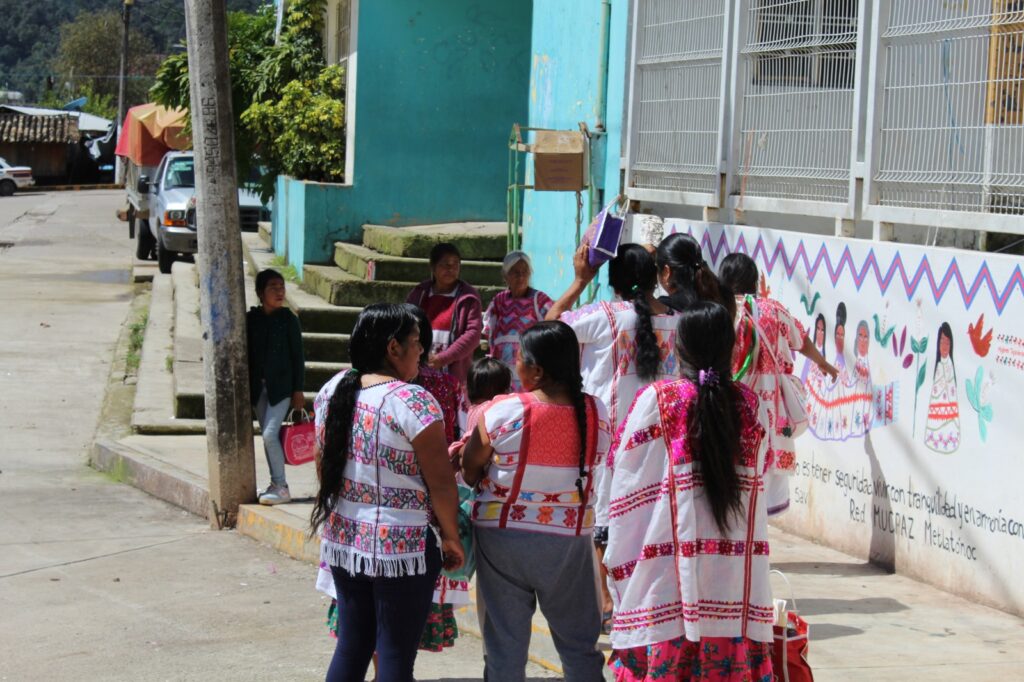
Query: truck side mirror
[142,187]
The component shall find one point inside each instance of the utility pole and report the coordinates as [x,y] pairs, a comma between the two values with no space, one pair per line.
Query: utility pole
[126,17]
[228,411]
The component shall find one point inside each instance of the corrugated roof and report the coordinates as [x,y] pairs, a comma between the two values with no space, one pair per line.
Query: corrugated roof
[54,129]
[87,123]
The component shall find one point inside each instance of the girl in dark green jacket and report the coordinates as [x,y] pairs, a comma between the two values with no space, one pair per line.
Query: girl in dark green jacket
[276,368]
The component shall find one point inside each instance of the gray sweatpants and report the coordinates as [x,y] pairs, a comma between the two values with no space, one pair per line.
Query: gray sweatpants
[515,571]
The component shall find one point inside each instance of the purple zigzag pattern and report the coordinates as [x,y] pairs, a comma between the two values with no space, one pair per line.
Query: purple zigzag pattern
[871,266]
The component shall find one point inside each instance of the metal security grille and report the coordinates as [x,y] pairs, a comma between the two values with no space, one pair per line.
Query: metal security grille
[677,92]
[796,98]
[951,133]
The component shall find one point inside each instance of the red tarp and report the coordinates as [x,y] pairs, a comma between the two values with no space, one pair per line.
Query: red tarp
[149,132]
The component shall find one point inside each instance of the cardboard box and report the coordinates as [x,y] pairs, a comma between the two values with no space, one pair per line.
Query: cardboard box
[559,161]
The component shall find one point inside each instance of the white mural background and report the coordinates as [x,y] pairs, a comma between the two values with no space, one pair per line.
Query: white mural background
[914,458]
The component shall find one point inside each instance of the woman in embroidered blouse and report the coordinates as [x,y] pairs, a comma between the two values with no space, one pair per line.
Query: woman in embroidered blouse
[386,485]
[453,308]
[625,345]
[778,336]
[533,454]
[513,311]
[688,537]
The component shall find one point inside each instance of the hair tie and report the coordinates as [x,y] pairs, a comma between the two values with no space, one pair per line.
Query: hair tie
[707,377]
[635,288]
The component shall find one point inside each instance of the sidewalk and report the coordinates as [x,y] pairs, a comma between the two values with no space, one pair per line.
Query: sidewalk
[865,624]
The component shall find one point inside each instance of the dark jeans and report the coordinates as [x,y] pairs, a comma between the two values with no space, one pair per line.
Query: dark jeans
[386,615]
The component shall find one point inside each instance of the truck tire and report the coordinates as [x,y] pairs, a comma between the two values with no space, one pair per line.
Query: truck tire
[143,237]
[164,258]
[7,188]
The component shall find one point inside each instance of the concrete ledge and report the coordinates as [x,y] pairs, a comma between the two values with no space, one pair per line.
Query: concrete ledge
[369,265]
[263,229]
[141,470]
[325,347]
[336,286]
[475,240]
[281,528]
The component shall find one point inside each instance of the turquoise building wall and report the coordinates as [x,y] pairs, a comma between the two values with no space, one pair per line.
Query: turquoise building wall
[564,90]
[438,86]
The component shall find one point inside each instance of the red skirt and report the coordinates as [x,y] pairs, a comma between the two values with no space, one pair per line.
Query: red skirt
[717,659]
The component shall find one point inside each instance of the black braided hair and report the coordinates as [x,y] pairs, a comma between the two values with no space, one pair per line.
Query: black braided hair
[553,347]
[376,326]
[691,277]
[704,340]
[633,275]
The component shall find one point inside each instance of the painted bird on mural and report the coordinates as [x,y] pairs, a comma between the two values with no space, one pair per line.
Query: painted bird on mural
[980,341]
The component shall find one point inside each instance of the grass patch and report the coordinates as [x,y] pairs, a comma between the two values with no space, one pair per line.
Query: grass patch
[136,333]
[169,364]
[287,270]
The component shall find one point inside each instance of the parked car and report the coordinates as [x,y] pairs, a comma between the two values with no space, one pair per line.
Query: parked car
[14,178]
[173,186]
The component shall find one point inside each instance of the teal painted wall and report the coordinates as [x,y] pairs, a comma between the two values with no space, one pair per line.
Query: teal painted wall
[564,89]
[438,86]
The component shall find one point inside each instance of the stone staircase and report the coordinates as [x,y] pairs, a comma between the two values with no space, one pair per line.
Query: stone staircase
[384,268]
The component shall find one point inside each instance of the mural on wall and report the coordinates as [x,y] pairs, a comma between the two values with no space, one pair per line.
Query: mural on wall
[897,462]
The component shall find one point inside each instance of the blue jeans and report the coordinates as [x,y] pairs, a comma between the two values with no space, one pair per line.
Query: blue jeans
[270,418]
[386,615]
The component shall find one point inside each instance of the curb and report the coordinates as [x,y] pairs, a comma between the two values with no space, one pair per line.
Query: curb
[278,529]
[150,475]
[70,188]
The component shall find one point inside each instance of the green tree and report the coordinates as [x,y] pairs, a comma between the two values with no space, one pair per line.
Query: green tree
[89,55]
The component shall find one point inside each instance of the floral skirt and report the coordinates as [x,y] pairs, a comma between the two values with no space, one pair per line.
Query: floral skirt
[439,634]
[717,659]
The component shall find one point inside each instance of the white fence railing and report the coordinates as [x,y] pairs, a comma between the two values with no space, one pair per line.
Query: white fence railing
[894,111]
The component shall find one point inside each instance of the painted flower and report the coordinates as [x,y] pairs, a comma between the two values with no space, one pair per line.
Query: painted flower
[544,514]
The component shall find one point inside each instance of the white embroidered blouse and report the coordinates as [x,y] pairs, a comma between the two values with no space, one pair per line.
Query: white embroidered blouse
[379,524]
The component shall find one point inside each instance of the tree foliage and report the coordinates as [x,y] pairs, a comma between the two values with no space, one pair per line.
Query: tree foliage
[86,60]
[288,105]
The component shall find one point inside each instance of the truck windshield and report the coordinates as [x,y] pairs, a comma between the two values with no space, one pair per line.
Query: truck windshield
[180,173]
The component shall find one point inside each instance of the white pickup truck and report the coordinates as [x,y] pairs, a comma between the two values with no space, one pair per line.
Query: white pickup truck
[14,178]
[165,233]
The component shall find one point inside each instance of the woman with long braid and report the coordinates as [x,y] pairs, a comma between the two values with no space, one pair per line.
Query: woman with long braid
[534,454]
[387,501]
[685,275]
[688,549]
[625,345]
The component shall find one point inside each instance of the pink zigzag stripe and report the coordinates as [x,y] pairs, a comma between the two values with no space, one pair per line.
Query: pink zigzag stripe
[871,265]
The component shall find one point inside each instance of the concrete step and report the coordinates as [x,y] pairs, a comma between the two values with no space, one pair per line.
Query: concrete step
[263,228]
[319,373]
[367,264]
[338,287]
[475,240]
[325,347]
[315,314]
[192,402]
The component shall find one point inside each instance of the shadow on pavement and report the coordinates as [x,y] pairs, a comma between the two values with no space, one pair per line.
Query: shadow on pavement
[869,605]
[823,631]
[828,568]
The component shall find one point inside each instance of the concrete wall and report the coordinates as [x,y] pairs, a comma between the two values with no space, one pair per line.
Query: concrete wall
[438,86]
[564,85]
[951,516]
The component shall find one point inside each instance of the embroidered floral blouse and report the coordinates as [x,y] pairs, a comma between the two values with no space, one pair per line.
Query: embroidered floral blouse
[531,481]
[379,524]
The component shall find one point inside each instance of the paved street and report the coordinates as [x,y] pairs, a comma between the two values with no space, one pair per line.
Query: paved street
[98,580]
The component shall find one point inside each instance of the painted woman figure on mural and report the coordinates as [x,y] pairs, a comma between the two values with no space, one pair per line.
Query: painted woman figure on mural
[857,408]
[819,343]
[942,433]
[826,418]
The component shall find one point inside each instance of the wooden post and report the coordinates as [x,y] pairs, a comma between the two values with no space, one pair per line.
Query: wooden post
[221,280]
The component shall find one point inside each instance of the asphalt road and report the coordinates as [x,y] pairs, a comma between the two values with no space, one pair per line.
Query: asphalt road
[98,581]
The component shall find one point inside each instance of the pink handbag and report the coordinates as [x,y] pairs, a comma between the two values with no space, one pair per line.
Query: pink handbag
[298,440]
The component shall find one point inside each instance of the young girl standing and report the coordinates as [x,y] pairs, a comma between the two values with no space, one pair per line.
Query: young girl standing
[387,500]
[533,454]
[513,311]
[688,536]
[276,371]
